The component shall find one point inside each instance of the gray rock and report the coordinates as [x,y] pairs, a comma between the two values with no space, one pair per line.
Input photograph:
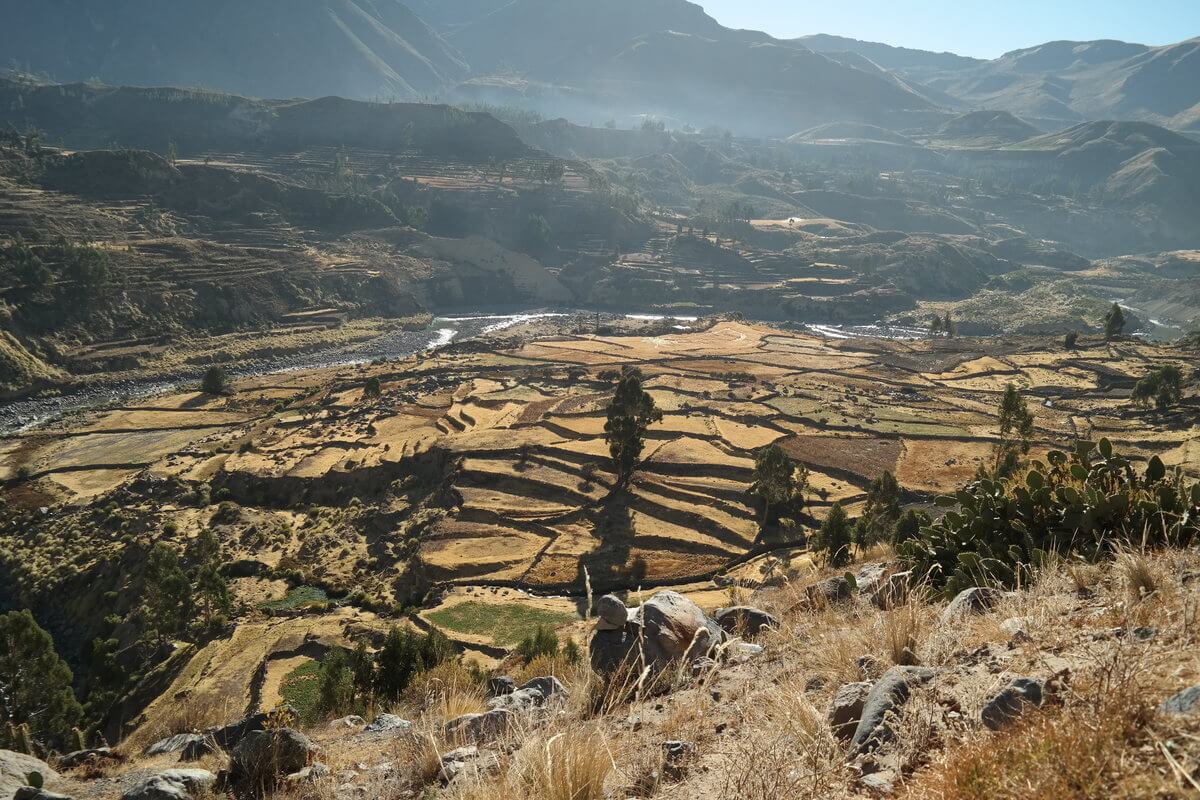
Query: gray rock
[1185,702]
[81,757]
[174,744]
[199,748]
[520,700]
[309,774]
[456,761]
[889,694]
[501,685]
[970,602]
[1007,705]
[676,757]
[882,782]
[831,590]
[15,766]
[1016,626]
[479,728]
[846,709]
[174,784]
[745,620]
[611,613]
[352,721]
[228,736]
[549,686]
[385,723]
[610,651]
[667,629]
[30,793]
[869,575]
[703,666]
[262,758]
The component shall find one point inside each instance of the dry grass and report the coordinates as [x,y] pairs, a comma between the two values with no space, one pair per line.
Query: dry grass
[186,715]
[570,763]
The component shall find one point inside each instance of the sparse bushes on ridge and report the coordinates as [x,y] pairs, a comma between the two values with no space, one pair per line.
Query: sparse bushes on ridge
[1163,386]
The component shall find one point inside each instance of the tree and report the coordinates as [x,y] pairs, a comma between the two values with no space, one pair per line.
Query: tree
[35,683]
[834,537]
[935,326]
[908,527]
[166,593]
[335,692]
[362,667]
[1016,429]
[776,481]
[536,235]
[372,389]
[1071,340]
[1114,322]
[879,517]
[212,590]
[1163,385]
[949,326]
[630,413]
[215,381]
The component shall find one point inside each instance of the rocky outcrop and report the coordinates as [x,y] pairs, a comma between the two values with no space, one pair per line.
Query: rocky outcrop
[479,728]
[889,694]
[1185,702]
[970,602]
[263,758]
[846,709]
[174,784]
[15,769]
[1006,706]
[667,629]
[745,620]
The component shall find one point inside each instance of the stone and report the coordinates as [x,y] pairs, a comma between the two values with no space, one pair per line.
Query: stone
[197,749]
[228,736]
[1016,626]
[386,723]
[174,784]
[454,762]
[970,602]
[352,721]
[611,613]
[846,709]
[882,782]
[501,685]
[81,757]
[668,628]
[1185,702]
[1007,705]
[479,728]
[549,686]
[831,590]
[173,744]
[889,694]
[611,651]
[703,666]
[869,575]
[262,758]
[676,755]
[14,767]
[520,700]
[745,620]
[30,793]
[310,773]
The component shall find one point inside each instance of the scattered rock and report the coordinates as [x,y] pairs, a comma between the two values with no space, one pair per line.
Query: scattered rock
[1185,702]
[831,590]
[30,793]
[310,773]
[869,576]
[385,723]
[1007,705]
[479,728]
[454,762]
[81,757]
[549,686]
[970,602]
[14,767]
[882,782]
[173,744]
[1144,633]
[666,629]
[890,693]
[228,736]
[520,700]
[676,756]
[611,613]
[351,721]
[198,748]
[846,709]
[501,685]
[262,758]
[745,620]
[174,784]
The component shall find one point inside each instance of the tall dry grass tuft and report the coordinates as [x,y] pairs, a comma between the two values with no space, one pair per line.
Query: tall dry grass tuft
[901,632]
[189,714]
[574,763]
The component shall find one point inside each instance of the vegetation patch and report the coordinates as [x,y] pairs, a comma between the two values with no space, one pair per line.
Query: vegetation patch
[301,689]
[505,624]
[298,597]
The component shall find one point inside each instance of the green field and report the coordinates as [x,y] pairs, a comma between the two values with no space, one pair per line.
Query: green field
[504,623]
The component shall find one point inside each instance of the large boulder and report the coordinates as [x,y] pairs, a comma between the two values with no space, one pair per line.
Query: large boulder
[14,769]
[970,602]
[30,793]
[888,695]
[479,728]
[263,758]
[174,784]
[846,709]
[174,744]
[745,620]
[228,736]
[667,629]
[1007,705]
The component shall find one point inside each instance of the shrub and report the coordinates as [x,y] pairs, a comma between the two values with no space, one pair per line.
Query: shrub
[1089,504]
[1163,385]
[834,537]
[215,381]
[542,642]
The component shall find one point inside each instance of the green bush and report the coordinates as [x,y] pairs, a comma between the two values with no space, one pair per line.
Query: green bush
[1088,505]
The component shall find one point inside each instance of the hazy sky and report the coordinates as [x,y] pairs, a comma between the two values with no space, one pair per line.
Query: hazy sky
[961,26]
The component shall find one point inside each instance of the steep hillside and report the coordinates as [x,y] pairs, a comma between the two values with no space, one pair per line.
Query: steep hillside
[986,129]
[889,57]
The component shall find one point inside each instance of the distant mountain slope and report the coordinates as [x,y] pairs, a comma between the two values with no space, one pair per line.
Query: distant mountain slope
[266,48]
[887,56]
[986,128]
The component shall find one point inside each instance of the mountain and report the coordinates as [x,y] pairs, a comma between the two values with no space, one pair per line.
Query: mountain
[986,129]
[267,48]
[891,58]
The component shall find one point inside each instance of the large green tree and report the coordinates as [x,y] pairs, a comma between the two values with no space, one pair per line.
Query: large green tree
[1163,386]
[1114,322]
[35,684]
[777,481]
[630,413]
[1016,430]
[166,594]
[211,588]
[834,537]
[878,521]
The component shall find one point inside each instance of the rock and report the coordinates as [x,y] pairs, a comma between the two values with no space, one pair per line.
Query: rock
[890,693]
[869,576]
[174,784]
[676,756]
[479,728]
[262,758]
[1017,627]
[892,590]
[352,721]
[831,590]
[81,757]
[703,666]
[611,613]
[30,793]
[501,685]
[745,620]
[173,744]
[1144,633]
[199,748]
[311,773]
[1185,702]
[1010,703]
[454,762]
[14,767]
[846,709]
[549,686]
[882,782]
[228,736]
[970,602]
[520,700]
[385,723]
[668,628]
